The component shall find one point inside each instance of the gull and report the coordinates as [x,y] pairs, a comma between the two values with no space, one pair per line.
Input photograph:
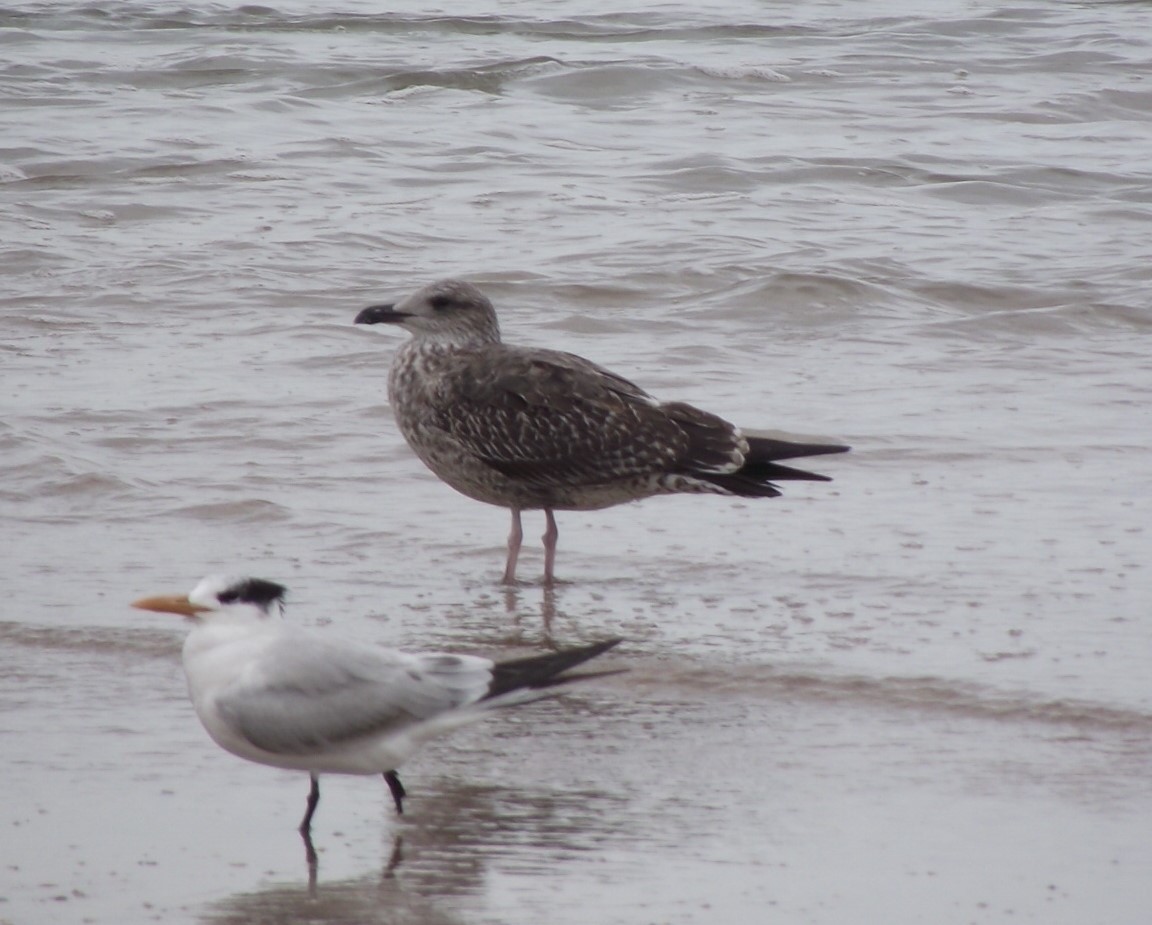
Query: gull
[534,429]
[286,697]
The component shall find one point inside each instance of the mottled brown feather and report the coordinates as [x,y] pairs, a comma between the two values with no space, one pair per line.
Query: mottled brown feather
[551,417]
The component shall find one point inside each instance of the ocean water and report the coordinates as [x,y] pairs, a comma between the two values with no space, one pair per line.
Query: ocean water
[919,693]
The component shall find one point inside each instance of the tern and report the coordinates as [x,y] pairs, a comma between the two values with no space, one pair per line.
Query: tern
[286,697]
[532,429]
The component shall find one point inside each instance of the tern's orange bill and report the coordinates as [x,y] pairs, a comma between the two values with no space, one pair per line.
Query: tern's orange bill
[171,603]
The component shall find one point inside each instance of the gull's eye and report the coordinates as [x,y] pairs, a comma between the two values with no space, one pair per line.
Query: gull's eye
[440,302]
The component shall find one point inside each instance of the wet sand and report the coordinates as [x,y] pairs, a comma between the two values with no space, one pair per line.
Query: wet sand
[691,789]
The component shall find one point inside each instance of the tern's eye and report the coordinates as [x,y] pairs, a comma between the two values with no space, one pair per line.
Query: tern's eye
[253,591]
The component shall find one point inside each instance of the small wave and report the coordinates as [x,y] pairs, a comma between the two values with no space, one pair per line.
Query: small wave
[746,73]
[143,641]
[235,512]
[489,78]
[924,694]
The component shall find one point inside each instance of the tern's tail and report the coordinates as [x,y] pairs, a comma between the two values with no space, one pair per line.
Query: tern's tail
[537,672]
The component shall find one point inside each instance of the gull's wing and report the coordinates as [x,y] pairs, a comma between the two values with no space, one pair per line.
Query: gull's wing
[548,417]
[306,693]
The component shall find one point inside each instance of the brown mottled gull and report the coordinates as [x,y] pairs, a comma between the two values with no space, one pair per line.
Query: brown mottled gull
[530,429]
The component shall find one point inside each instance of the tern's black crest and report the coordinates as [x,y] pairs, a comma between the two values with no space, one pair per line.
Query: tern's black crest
[256,591]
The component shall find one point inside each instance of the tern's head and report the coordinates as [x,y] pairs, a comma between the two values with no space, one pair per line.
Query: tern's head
[222,594]
[450,312]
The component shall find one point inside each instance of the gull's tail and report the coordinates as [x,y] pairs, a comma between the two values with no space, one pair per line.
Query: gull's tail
[761,467]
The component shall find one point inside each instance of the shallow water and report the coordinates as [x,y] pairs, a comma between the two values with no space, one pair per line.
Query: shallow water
[917,694]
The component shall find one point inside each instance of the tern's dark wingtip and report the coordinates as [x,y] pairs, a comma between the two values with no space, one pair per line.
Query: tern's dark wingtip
[538,672]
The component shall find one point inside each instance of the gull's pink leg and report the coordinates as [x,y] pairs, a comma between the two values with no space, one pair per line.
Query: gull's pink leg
[514,540]
[551,533]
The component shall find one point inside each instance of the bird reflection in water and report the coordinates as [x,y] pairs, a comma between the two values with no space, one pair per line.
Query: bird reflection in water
[547,612]
[439,864]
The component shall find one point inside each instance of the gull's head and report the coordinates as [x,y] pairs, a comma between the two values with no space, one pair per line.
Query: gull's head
[450,312]
[218,595]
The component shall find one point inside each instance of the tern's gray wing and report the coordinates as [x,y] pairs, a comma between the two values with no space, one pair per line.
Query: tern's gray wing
[552,418]
[307,693]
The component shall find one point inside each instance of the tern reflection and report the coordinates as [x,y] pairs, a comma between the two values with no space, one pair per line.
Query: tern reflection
[437,867]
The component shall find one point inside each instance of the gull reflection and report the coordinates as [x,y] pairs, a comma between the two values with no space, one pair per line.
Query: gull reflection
[519,612]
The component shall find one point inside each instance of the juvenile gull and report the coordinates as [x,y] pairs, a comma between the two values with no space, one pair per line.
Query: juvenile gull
[531,429]
[282,696]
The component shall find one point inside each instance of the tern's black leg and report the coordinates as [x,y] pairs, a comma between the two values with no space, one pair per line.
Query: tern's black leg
[306,831]
[313,800]
[398,791]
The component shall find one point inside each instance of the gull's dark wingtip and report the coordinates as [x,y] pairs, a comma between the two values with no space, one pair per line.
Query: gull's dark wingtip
[771,449]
